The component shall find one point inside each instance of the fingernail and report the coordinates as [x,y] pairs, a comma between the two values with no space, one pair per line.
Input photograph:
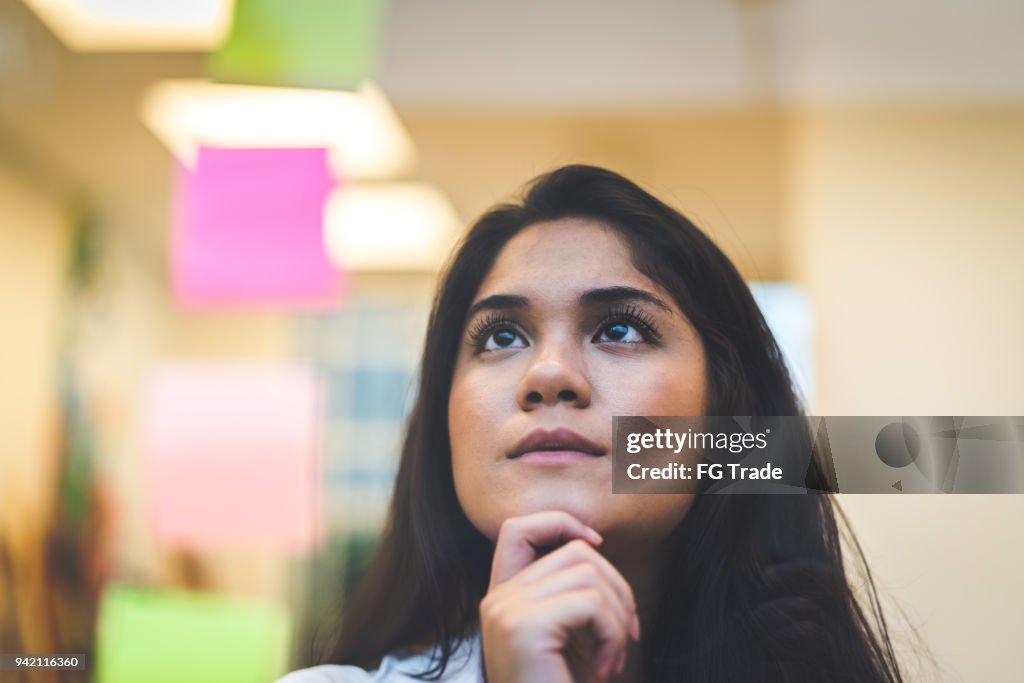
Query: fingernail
[635,627]
[595,537]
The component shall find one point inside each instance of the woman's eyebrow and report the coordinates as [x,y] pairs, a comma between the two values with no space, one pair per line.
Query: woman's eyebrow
[607,295]
[498,302]
[604,295]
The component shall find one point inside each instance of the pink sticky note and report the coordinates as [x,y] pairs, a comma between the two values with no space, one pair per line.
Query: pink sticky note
[248,229]
[232,456]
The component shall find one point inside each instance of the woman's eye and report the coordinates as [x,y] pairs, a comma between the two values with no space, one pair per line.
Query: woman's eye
[620,332]
[503,339]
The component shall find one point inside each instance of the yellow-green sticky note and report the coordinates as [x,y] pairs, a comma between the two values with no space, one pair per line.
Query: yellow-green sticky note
[169,637]
[300,43]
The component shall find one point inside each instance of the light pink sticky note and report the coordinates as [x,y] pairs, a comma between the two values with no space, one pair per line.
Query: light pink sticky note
[249,230]
[232,453]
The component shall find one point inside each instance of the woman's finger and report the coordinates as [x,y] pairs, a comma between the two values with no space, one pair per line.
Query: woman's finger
[576,577]
[581,553]
[521,539]
[578,609]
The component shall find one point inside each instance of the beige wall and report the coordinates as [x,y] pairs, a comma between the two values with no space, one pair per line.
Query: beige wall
[908,231]
[721,166]
[33,235]
[33,250]
[953,565]
[907,228]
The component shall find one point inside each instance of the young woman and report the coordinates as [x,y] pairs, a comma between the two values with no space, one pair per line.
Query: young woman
[507,555]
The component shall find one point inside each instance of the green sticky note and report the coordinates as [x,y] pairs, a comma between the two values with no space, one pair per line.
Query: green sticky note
[171,637]
[300,43]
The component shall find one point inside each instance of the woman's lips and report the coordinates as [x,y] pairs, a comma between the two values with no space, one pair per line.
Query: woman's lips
[555,446]
[554,457]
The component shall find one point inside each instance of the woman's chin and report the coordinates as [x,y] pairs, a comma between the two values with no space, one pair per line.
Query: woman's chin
[582,508]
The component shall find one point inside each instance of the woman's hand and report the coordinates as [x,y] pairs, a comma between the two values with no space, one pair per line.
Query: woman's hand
[533,607]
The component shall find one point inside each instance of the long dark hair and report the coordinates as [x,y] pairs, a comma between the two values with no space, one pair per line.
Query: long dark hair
[757,589]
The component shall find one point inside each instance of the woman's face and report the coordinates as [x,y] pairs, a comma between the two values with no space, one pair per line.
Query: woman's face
[564,334]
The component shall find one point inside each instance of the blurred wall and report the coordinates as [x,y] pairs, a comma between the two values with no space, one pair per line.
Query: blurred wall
[722,166]
[948,569]
[908,232]
[907,229]
[32,261]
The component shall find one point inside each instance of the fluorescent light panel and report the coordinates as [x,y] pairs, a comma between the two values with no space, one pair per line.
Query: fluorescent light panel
[136,25]
[364,137]
[390,226]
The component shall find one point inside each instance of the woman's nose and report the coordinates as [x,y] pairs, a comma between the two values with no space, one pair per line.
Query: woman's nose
[552,379]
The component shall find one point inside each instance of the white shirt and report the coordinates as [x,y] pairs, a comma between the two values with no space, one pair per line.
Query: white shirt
[463,667]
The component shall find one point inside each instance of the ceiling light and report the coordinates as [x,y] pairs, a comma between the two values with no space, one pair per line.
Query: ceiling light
[136,25]
[363,134]
[390,226]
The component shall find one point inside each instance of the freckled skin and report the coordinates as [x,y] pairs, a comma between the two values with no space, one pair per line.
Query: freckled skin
[568,368]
